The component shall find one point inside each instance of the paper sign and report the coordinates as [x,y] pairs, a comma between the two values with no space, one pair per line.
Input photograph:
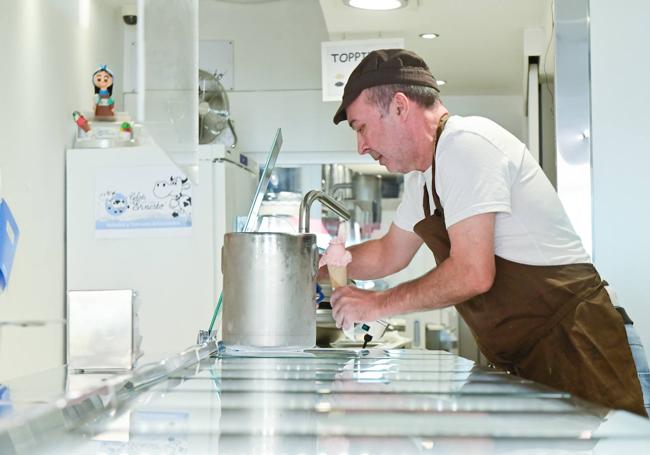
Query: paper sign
[339,58]
[143,201]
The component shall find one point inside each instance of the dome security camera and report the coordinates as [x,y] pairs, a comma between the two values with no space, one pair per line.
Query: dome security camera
[129,15]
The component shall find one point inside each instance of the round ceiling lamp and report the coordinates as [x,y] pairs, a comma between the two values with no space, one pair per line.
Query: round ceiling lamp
[378,5]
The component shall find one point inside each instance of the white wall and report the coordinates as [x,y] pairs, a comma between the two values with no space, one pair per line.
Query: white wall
[50,48]
[620,96]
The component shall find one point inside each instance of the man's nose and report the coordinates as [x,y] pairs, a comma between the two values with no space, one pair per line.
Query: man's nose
[362,147]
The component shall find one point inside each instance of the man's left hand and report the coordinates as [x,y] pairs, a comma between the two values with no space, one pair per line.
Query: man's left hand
[350,305]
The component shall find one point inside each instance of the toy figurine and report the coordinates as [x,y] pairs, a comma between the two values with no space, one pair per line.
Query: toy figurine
[81,121]
[103,80]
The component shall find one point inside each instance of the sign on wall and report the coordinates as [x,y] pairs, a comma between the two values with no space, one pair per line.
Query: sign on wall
[143,201]
[216,57]
[339,58]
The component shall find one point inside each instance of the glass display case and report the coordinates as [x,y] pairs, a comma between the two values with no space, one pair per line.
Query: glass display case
[313,401]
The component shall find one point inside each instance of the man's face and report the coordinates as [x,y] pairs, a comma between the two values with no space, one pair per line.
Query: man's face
[378,134]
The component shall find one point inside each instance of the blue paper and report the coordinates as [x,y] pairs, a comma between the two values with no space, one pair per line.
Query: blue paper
[9,234]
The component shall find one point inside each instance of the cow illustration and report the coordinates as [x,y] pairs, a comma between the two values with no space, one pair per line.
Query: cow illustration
[173,190]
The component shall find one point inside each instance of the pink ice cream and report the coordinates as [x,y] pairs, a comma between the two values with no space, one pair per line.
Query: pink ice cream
[336,255]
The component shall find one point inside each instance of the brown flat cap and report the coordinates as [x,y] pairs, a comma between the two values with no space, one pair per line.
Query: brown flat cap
[381,67]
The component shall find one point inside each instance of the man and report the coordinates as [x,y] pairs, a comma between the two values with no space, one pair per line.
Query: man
[506,253]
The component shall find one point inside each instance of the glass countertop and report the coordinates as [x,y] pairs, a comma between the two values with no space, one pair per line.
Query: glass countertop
[325,401]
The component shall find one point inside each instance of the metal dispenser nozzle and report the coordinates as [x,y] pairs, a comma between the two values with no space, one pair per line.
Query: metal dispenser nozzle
[326,200]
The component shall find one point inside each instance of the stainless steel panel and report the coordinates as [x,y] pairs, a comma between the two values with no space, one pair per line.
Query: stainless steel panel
[101,330]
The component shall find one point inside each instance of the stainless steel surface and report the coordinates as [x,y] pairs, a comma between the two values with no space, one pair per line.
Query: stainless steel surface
[360,194]
[366,187]
[251,220]
[335,178]
[438,337]
[320,401]
[214,109]
[269,296]
[339,188]
[102,330]
[326,200]
[366,190]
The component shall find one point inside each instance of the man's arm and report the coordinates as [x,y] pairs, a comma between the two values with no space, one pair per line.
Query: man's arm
[381,257]
[467,272]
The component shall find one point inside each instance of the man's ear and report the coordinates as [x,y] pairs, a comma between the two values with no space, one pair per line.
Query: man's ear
[401,105]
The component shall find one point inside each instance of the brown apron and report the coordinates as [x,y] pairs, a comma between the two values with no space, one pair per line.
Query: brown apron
[552,324]
[104,110]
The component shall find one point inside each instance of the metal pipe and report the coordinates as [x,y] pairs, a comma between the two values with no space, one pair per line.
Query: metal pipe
[325,199]
[340,187]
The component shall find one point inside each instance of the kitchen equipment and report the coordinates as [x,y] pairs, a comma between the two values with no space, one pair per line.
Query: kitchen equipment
[327,201]
[214,110]
[270,279]
[367,202]
[103,330]
[361,194]
[269,289]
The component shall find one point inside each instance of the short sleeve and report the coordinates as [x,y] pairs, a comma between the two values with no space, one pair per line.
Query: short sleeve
[472,177]
[409,212]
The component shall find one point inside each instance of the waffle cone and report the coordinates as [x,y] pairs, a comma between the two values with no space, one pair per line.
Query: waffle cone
[338,275]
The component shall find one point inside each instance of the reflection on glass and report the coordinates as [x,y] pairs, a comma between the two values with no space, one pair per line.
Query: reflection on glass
[375,401]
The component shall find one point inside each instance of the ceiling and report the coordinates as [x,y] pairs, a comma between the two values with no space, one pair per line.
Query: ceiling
[480,48]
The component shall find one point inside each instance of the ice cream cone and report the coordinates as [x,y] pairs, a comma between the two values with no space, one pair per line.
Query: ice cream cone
[338,275]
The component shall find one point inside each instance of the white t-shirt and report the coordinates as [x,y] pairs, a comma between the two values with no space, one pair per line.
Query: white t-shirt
[482,168]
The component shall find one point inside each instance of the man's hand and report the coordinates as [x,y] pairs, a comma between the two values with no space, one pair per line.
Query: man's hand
[350,305]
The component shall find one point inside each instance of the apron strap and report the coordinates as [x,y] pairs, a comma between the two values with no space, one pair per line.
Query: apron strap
[425,202]
[434,193]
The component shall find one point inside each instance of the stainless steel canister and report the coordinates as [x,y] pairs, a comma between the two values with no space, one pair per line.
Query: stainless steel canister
[269,282]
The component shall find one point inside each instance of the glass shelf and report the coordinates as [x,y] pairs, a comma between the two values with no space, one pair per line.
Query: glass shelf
[324,401]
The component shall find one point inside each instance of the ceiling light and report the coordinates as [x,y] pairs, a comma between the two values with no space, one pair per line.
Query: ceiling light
[440,82]
[376,4]
[429,35]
